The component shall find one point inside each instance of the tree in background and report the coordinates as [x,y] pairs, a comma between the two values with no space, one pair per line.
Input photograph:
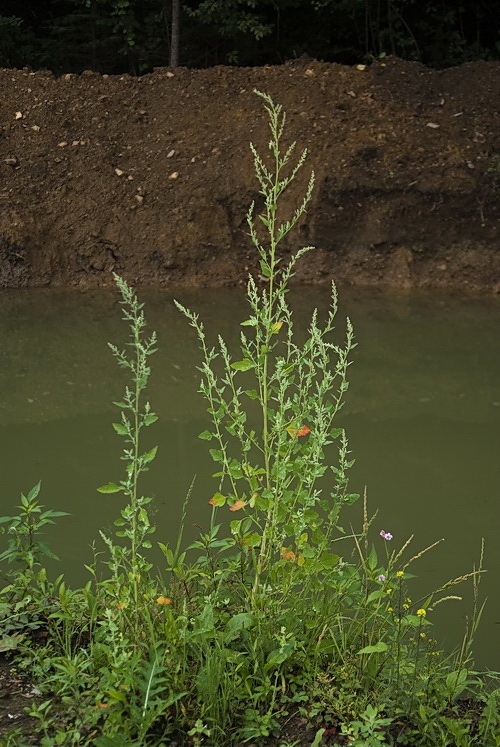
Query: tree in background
[116,36]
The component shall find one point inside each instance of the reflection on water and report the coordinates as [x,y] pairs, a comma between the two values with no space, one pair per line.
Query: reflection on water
[422,413]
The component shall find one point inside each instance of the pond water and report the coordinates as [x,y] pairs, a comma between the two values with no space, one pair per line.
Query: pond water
[422,415]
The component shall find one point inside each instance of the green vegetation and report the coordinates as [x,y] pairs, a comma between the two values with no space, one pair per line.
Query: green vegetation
[275,627]
[115,36]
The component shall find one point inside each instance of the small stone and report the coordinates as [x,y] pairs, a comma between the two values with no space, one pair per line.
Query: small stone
[174,175]
[11,161]
[130,178]
[36,128]
[360,67]
[139,199]
[432,125]
[19,115]
[170,75]
[171,153]
[62,144]
[309,72]
[118,172]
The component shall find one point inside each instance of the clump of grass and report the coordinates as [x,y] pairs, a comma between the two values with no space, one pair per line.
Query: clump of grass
[273,615]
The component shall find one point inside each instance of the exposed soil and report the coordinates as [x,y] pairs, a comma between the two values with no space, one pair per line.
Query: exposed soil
[151,177]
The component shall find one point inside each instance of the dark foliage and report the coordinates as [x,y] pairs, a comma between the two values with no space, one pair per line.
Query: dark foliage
[133,36]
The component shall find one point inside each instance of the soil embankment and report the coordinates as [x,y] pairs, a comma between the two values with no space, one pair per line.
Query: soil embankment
[151,177]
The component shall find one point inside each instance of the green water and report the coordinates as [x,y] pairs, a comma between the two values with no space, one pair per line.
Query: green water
[422,414]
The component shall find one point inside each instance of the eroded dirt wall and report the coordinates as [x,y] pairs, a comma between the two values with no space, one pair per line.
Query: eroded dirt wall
[151,177]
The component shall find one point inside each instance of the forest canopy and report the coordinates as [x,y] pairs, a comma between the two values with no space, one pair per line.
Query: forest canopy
[134,36]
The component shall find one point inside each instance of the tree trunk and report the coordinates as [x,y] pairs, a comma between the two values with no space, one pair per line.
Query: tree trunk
[175,33]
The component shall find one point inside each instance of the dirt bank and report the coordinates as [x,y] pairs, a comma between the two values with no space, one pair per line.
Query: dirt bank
[151,177]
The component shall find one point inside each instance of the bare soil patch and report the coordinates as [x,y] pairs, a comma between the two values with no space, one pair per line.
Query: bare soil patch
[151,177]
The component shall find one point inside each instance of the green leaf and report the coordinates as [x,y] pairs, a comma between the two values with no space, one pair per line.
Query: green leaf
[265,269]
[252,322]
[110,487]
[336,432]
[241,621]
[218,499]
[206,436]
[278,656]
[34,491]
[216,455]
[149,455]
[377,648]
[150,418]
[243,365]
[121,429]
[252,393]
[329,560]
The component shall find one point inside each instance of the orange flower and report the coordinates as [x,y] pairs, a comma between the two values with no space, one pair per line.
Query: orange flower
[121,605]
[163,600]
[287,554]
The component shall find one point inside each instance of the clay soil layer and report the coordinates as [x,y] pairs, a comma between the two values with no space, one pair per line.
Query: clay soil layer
[152,177]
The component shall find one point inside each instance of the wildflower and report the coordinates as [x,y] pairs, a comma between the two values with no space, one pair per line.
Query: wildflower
[421,613]
[388,591]
[408,600]
[390,609]
[102,705]
[381,577]
[386,535]
[287,554]
[406,606]
[422,635]
[400,574]
[121,605]
[163,600]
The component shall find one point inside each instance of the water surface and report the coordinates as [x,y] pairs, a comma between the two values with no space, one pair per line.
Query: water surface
[422,414]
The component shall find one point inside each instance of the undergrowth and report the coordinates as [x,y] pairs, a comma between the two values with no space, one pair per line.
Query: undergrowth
[275,626]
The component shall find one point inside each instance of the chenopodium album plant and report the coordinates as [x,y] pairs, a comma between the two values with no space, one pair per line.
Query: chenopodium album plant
[273,410]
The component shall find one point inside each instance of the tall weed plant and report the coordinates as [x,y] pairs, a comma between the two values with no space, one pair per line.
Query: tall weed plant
[274,626]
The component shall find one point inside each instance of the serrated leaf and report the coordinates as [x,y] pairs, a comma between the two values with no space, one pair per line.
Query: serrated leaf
[121,429]
[149,455]
[252,393]
[244,365]
[150,418]
[252,322]
[110,487]
[206,435]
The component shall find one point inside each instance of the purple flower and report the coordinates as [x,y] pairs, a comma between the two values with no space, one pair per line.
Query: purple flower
[381,577]
[385,535]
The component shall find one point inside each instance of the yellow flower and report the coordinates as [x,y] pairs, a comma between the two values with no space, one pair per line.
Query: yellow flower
[163,600]
[406,606]
[121,605]
[400,574]
[422,635]
[421,613]
[408,600]
[388,591]
[389,609]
